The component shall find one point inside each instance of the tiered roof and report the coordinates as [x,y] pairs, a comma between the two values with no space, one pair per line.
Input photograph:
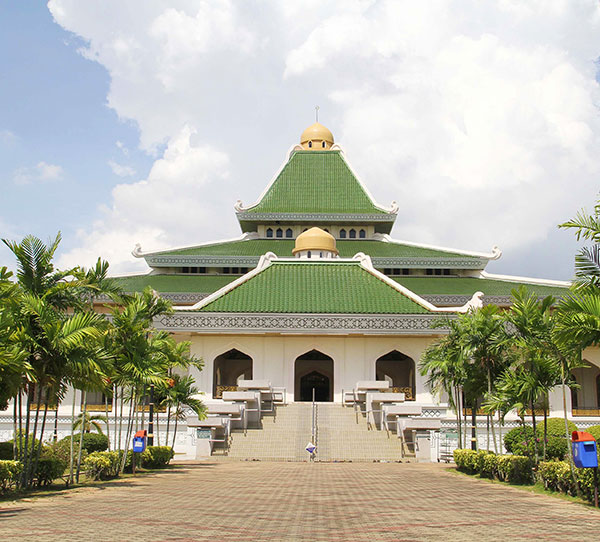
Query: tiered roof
[317,187]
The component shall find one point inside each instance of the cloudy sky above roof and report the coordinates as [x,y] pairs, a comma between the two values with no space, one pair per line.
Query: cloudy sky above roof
[126,122]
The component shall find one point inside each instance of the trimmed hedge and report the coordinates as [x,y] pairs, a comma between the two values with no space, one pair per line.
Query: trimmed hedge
[9,474]
[520,440]
[6,450]
[102,465]
[157,457]
[49,468]
[556,427]
[92,442]
[556,475]
[515,469]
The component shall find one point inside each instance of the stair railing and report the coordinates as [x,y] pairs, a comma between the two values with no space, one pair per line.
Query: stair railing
[313,433]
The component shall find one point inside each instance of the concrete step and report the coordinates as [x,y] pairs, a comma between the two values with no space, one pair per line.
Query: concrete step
[341,436]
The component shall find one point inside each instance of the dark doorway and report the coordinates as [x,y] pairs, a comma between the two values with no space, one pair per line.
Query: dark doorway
[228,368]
[313,370]
[316,381]
[399,370]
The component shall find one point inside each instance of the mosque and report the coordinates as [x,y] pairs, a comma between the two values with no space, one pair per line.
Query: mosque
[315,293]
[315,297]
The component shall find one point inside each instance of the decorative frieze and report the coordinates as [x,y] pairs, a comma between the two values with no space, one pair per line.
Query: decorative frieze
[339,218]
[315,324]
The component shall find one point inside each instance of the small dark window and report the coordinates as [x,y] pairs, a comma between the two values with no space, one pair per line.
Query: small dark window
[429,271]
[325,229]
[353,234]
[438,271]
[235,270]
[323,144]
[243,270]
[194,270]
[387,271]
[279,233]
[185,269]
[320,254]
[342,234]
[310,144]
[289,232]
[406,271]
[269,232]
[446,271]
[308,255]
[362,234]
[202,270]
[226,270]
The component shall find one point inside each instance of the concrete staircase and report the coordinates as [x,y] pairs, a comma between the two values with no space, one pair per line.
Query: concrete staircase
[283,437]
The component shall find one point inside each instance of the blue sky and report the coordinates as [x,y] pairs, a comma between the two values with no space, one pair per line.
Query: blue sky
[54,111]
[125,122]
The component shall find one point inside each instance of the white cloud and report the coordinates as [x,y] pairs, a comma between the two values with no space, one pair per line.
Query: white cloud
[7,137]
[120,170]
[41,172]
[480,121]
[176,203]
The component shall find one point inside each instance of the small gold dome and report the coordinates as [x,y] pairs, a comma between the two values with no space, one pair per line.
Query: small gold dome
[315,239]
[316,137]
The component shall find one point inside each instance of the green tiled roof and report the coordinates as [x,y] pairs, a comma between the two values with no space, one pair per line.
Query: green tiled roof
[469,285]
[316,182]
[347,248]
[303,287]
[175,283]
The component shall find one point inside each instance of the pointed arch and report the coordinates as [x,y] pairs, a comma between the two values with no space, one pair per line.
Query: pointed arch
[399,370]
[228,368]
[313,370]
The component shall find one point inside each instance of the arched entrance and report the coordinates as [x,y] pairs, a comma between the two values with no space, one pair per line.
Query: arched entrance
[228,369]
[399,370]
[313,370]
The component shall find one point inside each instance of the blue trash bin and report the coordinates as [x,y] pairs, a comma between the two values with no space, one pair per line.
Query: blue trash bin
[585,454]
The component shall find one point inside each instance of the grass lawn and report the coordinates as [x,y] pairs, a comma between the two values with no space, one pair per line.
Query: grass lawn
[536,488]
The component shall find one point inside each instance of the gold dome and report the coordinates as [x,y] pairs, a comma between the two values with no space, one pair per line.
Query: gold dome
[315,239]
[316,137]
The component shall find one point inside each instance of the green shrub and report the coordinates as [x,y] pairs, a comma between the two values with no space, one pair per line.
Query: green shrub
[466,460]
[487,463]
[518,438]
[556,427]
[594,430]
[157,457]
[62,450]
[9,474]
[6,450]
[49,468]
[102,465]
[516,469]
[92,442]
[556,475]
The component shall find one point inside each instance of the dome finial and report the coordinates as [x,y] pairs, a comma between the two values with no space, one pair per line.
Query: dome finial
[315,243]
[316,137]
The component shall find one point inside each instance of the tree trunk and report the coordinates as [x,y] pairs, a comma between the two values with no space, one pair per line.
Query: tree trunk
[55,432]
[157,429]
[71,458]
[175,430]
[15,428]
[129,426]
[546,425]
[120,443]
[39,447]
[491,418]
[573,476]
[107,421]
[81,431]
[168,423]
[458,422]
[474,425]
[20,456]
[30,453]
[535,442]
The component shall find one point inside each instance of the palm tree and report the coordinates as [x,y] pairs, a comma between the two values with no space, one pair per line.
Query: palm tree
[183,394]
[484,341]
[444,365]
[52,329]
[86,421]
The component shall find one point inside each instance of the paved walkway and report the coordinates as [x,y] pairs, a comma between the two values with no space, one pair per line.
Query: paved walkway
[245,501]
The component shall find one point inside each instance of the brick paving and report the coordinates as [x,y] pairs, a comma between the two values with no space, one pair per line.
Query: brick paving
[267,501]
